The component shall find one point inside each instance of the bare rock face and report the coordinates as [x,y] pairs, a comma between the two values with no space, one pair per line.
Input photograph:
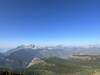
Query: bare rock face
[26,46]
[36,61]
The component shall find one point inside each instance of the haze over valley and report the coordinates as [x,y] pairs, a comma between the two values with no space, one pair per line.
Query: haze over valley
[28,59]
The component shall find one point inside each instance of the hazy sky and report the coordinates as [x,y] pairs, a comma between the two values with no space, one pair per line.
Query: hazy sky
[49,22]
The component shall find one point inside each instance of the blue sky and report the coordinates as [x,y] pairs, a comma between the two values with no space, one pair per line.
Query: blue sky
[47,22]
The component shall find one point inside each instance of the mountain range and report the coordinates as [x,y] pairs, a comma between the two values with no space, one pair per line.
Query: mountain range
[21,56]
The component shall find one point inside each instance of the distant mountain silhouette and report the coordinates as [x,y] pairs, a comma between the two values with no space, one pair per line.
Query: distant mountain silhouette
[21,56]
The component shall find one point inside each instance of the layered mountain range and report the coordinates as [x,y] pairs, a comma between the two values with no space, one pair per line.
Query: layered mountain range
[22,56]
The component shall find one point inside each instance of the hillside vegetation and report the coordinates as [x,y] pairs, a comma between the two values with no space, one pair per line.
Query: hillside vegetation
[58,66]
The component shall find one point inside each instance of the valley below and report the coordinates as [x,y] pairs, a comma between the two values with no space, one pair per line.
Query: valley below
[52,61]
